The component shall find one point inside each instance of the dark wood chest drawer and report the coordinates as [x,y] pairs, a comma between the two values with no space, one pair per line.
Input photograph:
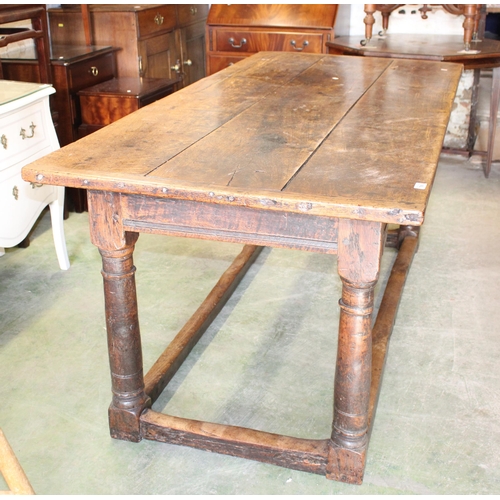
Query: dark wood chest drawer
[152,21]
[236,31]
[189,14]
[90,72]
[227,40]
[218,62]
[75,67]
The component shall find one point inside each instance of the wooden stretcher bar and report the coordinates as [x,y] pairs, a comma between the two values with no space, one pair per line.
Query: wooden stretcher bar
[294,453]
[172,358]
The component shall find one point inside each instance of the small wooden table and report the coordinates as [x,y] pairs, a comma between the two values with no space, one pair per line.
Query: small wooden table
[483,54]
[305,151]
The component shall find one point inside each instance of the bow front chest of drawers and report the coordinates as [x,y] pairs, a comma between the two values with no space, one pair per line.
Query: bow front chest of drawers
[26,134]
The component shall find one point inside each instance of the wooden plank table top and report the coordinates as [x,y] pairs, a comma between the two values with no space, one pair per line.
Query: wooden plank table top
[309,133]
[483,54]
[304,151]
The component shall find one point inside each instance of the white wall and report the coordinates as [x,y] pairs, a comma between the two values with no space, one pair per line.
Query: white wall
[350,21]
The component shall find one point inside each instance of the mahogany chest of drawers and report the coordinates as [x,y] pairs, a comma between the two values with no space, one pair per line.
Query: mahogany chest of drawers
[237,31]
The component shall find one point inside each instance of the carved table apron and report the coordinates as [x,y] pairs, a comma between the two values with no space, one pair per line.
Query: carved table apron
[304,151]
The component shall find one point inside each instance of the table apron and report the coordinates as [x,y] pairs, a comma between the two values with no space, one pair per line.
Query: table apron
[146,214]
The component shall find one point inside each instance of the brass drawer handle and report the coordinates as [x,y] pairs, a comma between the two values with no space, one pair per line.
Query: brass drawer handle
[193,10]
[23,132]
[188,62]
[243,41]
[4,141]
[294,45]
[94,71]
[159,19]
[35,185]
[15,192]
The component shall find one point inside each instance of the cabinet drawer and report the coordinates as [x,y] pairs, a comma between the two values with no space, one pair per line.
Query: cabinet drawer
[255,41]
[189,14]
[22,134]
[91,71]
[217,63]
[20,204]
[156,20]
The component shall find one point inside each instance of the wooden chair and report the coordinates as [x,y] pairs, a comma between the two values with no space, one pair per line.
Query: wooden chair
[39,33]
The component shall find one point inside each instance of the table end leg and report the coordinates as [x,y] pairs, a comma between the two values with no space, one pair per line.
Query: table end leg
[345,465]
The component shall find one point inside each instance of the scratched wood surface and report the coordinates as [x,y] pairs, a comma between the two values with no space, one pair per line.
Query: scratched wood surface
[327,135]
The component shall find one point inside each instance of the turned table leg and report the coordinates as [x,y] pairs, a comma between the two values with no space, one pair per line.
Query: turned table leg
[470,13]
[124,342]
[360,249]
[369,21]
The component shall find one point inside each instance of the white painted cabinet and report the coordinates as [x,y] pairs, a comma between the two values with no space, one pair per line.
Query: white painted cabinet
[26,134]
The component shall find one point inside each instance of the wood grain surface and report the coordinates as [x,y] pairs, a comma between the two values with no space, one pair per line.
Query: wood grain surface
[327,135]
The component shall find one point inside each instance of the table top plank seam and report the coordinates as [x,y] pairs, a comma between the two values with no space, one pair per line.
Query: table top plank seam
[277,137]
[262,97]
[335,126]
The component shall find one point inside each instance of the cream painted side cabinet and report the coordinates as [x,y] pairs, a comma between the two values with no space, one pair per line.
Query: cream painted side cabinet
[26,134]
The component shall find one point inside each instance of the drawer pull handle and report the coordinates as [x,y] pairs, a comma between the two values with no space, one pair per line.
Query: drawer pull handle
[23,132]
[15,192]
[94,71]
[243,41]
[35,185]
[159,19]
[188,62]
[294,45]
[4,141]
[193,10]
[176,67]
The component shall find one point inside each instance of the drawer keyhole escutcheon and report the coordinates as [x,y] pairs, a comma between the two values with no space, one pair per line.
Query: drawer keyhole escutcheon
[94,71]
[293,43]
[243,41]
[15,192]
[4,141]
[159,19]
[23,132]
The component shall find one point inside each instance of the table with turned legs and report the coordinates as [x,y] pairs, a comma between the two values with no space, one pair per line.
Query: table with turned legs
[311,152]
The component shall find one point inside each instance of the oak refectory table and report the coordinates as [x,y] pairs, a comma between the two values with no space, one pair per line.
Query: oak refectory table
[304,151]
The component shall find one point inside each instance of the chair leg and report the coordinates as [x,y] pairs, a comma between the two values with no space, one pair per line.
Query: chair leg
[12,471]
